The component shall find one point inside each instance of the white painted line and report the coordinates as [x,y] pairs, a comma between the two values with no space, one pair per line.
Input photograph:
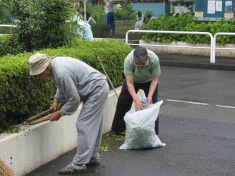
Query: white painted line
[198,103]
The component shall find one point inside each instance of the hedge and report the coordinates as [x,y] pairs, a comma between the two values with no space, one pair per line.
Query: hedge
[186,22]
[23,96]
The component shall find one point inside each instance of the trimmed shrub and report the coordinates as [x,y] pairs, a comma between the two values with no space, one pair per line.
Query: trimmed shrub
[23,96]
[186,22]
[100,30]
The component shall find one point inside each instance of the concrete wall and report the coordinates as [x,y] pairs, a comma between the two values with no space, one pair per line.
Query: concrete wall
[189,51]
[38,144]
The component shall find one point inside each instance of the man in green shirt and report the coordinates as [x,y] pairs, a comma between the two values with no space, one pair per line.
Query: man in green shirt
[141,69]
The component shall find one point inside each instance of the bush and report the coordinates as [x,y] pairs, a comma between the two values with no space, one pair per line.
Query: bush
[186,22]
[126,13]
[4,14]
[9,46]
[100,30]
[42,23]
[97,12]
[23,96]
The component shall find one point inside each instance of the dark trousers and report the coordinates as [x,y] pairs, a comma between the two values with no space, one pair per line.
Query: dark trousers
[124,104]
[110,21]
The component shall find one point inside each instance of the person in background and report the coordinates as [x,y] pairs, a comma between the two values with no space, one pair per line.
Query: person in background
[141,69]
[76,81]
[85,31]
[110,15]
[150,17]
[140,20]
[89,19]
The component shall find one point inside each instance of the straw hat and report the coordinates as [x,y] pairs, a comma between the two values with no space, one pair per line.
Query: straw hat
[38,63]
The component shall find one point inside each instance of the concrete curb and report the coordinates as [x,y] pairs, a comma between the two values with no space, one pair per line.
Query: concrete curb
[197,65]
[38,144]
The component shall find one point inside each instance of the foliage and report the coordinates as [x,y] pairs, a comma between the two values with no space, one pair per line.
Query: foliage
[4,14]
[42,23]
[100,30]
[109,141]
[186,22]
[125,13]
[9,45]
[23,96]
[97,12]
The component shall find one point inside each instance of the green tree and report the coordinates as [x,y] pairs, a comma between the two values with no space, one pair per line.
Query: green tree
[42,23]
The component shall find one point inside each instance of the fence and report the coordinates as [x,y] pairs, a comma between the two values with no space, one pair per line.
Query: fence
[212,38]
[7,25]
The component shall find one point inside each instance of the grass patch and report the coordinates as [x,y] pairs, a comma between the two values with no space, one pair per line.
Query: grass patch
[128,27]
[109,141]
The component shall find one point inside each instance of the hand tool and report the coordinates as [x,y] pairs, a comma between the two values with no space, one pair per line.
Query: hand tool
[34,120]
[107,76]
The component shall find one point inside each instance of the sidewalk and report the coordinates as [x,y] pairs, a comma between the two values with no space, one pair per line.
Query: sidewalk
[193,61]
[199,138]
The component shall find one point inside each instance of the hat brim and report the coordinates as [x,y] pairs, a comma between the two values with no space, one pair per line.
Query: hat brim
[39,70]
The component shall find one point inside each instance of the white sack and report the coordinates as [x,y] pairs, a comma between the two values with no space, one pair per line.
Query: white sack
[140,128]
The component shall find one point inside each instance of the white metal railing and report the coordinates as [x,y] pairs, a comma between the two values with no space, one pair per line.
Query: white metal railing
[6,25]
[221,33]
[212,56]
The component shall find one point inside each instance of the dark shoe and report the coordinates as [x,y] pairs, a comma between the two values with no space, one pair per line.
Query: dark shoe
[116,133]
[94,161]
[73,169]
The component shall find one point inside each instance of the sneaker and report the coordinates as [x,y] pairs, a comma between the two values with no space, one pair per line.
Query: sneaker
[72,169]
[94,161]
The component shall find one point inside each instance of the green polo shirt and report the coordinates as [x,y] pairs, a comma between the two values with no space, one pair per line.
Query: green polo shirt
[144,74]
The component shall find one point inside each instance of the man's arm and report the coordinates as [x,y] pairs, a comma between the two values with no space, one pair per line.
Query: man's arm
[131,89]
[152,88]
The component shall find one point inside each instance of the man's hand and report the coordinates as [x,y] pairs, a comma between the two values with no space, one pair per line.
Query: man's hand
[54,106]
[55,116]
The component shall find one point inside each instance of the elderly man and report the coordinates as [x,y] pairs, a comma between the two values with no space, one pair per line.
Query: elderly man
[76,81]
[141,69]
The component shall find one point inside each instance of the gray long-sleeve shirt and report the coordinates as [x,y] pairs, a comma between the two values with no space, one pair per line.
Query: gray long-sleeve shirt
[75,80]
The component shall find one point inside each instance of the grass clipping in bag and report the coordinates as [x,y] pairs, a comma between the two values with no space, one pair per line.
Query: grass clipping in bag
[140,128]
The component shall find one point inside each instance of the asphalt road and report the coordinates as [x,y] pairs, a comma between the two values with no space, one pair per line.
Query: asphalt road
[197,123]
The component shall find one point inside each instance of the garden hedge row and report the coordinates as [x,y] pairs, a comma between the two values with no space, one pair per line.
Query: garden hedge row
[23,96]
[186,22]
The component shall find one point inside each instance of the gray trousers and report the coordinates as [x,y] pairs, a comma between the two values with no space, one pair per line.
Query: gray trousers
[89,125]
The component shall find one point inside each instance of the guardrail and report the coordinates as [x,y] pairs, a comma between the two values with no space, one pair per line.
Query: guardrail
[212,53]
[221,33]
[6,25]
[212,47]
